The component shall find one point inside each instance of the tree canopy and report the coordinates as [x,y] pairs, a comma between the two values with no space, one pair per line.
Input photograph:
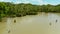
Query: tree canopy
[8,9]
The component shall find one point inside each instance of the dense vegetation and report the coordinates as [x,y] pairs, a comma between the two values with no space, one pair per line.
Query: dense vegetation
[11,10]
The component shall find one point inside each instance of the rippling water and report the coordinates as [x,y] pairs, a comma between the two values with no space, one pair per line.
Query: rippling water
[44,23]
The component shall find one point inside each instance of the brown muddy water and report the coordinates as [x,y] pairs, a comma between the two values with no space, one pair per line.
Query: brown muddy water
[44,23]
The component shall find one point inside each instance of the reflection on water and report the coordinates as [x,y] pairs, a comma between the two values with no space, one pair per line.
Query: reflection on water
[44,23]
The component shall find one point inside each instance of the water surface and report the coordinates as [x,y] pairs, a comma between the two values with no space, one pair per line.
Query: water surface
[44,23]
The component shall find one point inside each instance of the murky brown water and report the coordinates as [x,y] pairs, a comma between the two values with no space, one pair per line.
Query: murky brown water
[44,23]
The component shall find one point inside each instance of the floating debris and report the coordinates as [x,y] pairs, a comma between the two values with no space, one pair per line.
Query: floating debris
[9,31]
[14,21]
[50,24]
[56,20]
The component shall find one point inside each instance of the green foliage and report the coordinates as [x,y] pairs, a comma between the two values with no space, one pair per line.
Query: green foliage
[11,10]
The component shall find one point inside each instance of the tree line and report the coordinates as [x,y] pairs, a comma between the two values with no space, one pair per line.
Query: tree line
[8,9]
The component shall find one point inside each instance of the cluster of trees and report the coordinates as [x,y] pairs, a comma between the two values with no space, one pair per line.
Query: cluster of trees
[8,9]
